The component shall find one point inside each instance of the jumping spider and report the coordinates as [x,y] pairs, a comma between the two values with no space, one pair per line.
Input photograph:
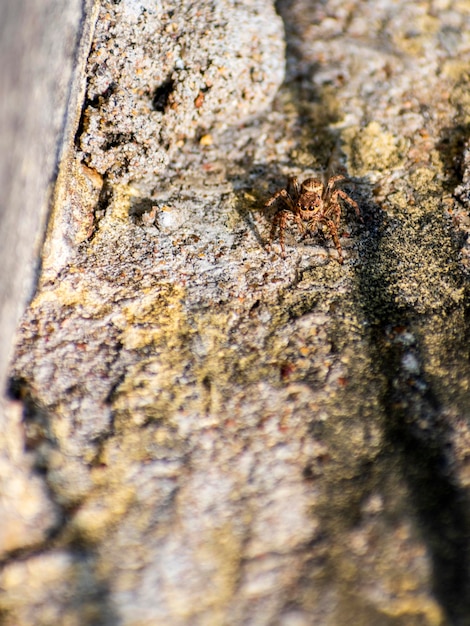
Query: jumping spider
[313,202]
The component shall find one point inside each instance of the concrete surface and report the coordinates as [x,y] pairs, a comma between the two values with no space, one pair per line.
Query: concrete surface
[225,436]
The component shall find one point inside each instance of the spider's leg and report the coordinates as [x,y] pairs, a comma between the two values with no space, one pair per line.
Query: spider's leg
[293,183]
[282,227]
[274,197]
[282,193]
[313,223]
[300,224]
[334,210]
[353,203]
[279,221]
[331,184]
[274,226]
[334,234]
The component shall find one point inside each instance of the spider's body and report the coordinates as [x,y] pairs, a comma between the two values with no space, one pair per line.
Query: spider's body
[313,203]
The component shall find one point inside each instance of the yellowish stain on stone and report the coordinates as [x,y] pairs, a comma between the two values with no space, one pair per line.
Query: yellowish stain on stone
[159,320]
[423,180]
[372,149]
[36,573]
[460,96]
[132,447]
[150,391]
[158,317]
[119,207]
[76,194]
[416,606]
[420,34]
[95,517]
[221,550]
[456,69]
[68,295]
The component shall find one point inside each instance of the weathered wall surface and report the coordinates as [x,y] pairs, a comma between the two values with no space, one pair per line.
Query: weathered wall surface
[222,435]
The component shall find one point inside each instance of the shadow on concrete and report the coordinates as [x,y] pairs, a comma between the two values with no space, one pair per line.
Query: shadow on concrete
[416,432]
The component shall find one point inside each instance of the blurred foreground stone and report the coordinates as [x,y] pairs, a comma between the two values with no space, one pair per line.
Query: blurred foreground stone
[42,87]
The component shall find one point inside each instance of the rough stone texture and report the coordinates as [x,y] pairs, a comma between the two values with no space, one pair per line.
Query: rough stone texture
[229,437]
[153,82]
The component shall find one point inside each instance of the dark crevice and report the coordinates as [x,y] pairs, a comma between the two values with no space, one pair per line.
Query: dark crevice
[94,103]
[81,127]
[161,95]
[101,97]
[114,140]
[104,200]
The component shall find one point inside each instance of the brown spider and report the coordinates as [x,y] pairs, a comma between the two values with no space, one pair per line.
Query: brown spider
[312,202]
